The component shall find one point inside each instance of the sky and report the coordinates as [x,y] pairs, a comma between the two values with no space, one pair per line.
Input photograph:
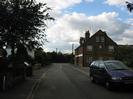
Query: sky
[74,17]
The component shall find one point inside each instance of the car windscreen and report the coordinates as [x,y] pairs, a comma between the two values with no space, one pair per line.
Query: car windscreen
[116,66]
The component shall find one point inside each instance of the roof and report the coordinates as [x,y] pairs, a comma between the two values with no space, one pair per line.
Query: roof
[111,61]
[99,32]
[129,46]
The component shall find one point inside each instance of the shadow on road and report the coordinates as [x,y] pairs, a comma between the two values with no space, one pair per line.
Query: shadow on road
[118,89]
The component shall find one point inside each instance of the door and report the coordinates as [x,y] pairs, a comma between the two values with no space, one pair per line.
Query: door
[101,72]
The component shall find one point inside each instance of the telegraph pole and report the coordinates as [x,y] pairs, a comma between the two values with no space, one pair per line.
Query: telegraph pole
[72,48]
[72,53]
[56,50]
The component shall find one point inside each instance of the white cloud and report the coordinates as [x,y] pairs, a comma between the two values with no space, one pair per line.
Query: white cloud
[62,4]
[70,27]
[88,0]
[59,5]
[117,2]
[128,34]
[130,21]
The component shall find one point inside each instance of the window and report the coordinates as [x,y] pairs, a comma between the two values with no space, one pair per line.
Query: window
[97,39]
[101,64]
[100,46]
[93,63]
[89,48]
[96,64]
[102,39]
[117,65]
[111,48]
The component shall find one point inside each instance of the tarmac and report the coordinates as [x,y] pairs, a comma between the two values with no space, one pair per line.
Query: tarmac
[84,70]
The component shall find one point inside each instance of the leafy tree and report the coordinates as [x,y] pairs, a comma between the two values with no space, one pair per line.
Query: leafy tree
[59,57]
[125,54]
[23,22]
[41,57]
[129,6]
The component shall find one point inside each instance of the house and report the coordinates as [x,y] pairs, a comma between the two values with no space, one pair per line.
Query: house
[97,47]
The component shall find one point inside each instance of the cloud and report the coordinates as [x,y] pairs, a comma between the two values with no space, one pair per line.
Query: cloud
[61,4]
[70,27]
[88,0]
[58,6]
[128,34]
[117,2]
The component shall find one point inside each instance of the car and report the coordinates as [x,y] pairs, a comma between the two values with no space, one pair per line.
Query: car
[111,72]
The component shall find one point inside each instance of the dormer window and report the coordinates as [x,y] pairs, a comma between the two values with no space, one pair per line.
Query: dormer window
[102,39]
[97,39]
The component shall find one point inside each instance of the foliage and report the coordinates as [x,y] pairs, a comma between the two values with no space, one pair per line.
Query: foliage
[23,21]
[125,54]
[51,57]
[129,6]
[41,57]
[60,57]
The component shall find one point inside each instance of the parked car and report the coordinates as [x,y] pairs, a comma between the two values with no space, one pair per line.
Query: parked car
[111,73]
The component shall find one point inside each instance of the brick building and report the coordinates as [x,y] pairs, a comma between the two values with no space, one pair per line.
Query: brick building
[97,47]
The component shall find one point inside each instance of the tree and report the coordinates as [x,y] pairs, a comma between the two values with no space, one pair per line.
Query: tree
[125,54]
[23,22]
[129,6]
[41,57]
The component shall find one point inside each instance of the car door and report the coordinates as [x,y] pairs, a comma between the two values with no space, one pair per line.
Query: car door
[101,72]
[95,70]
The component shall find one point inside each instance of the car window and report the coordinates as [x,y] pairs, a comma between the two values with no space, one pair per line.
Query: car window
[101,65]
[96,64]
[93,64]
[116,66]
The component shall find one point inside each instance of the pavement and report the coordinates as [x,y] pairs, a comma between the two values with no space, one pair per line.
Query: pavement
[84,70]
[37,77]
[63,81]
[24,89]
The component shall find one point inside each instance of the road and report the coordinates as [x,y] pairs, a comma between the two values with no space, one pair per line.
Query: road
[63,81]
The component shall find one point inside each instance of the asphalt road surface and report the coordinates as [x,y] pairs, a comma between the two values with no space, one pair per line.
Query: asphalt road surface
[63,81]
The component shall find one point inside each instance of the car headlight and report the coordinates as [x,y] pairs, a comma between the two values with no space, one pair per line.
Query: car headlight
[116,78]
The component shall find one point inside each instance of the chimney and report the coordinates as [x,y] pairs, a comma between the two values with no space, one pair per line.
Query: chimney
[87,35]
[82,40]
